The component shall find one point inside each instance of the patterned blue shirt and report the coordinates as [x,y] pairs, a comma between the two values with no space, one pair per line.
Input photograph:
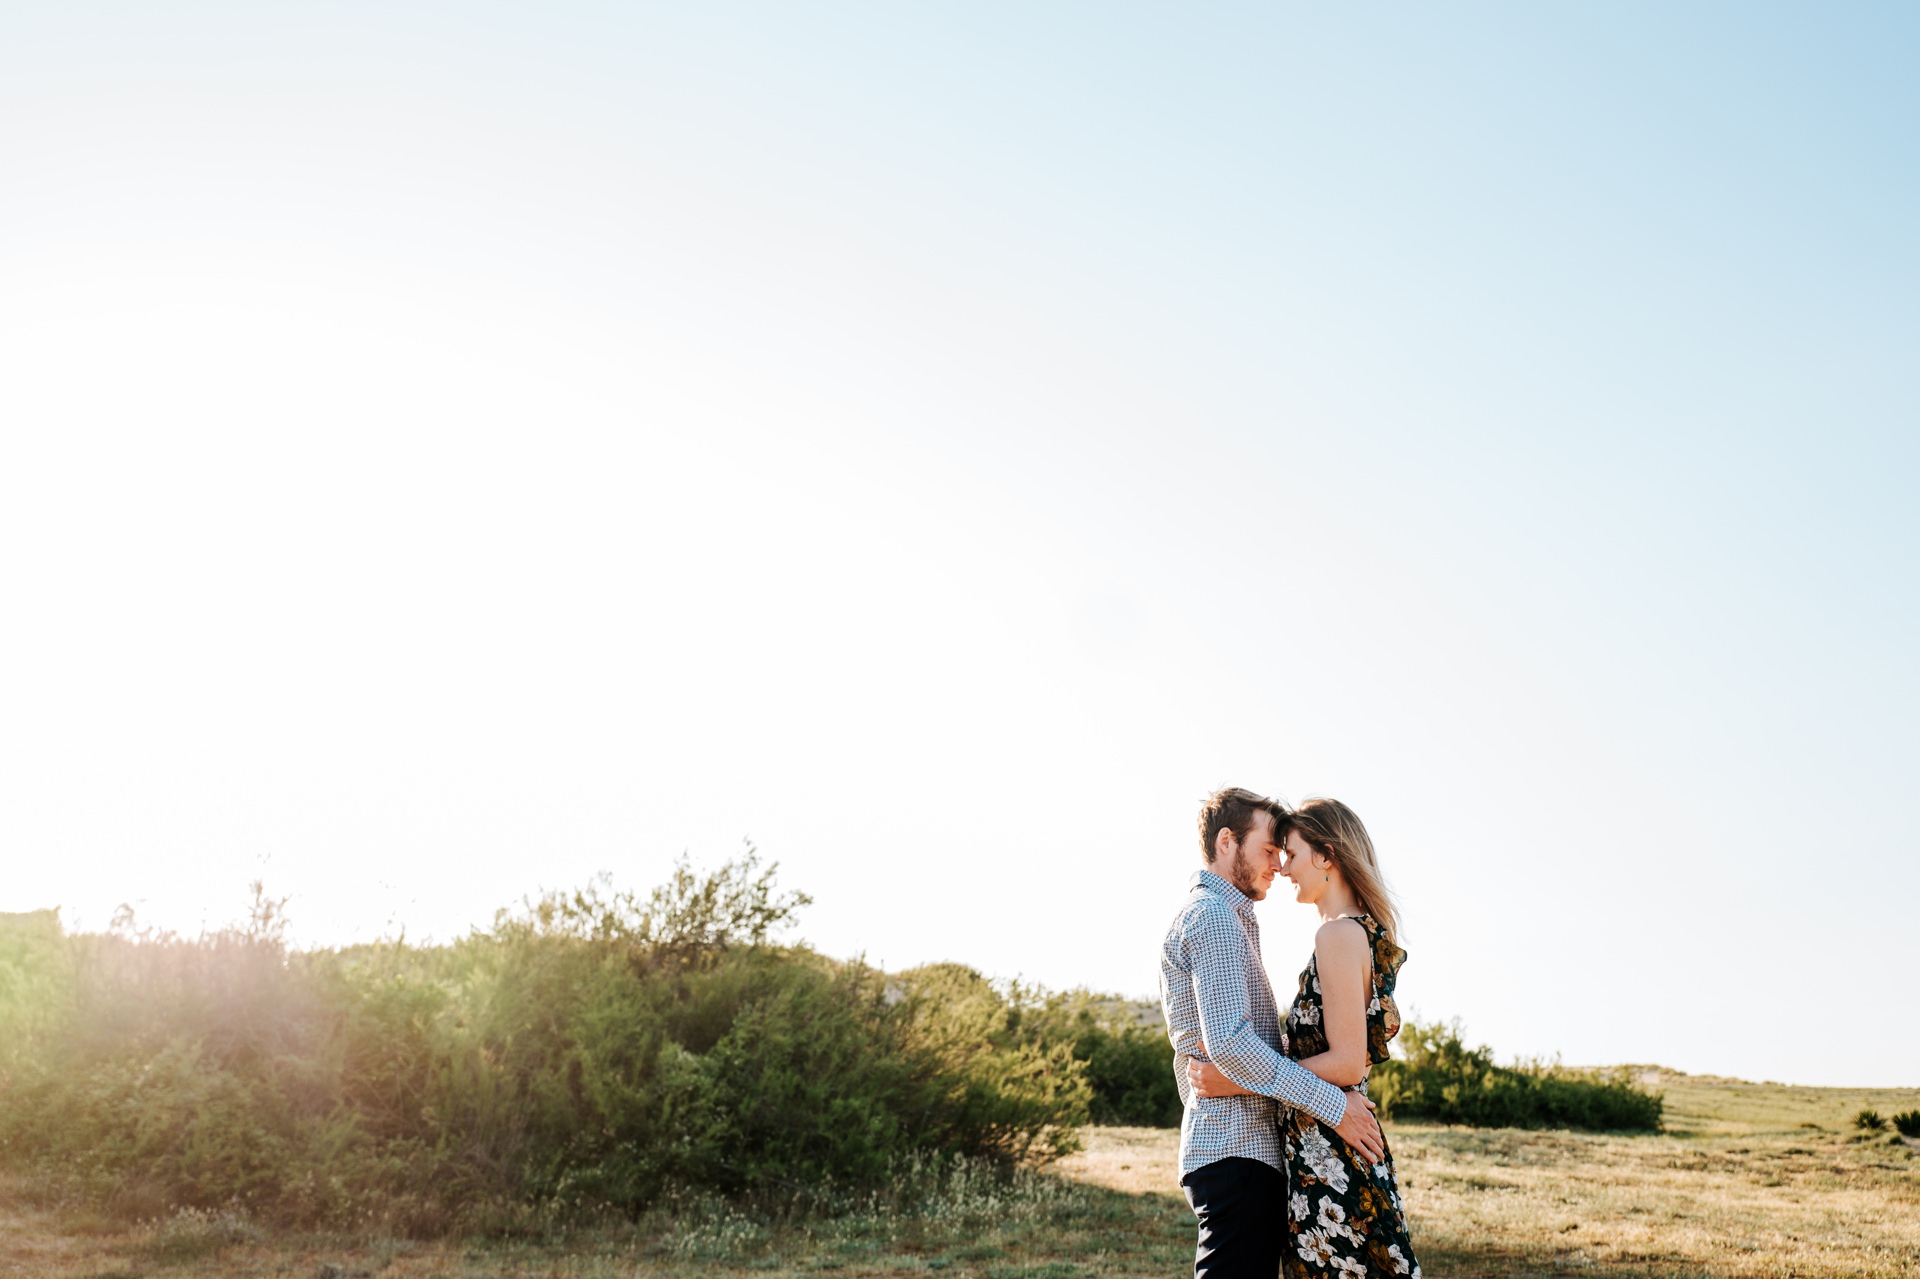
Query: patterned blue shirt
[1214,989]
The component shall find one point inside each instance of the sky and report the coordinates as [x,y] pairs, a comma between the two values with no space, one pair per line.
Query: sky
[450,451]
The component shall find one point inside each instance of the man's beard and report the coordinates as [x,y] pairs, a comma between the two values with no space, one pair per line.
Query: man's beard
[1241,874]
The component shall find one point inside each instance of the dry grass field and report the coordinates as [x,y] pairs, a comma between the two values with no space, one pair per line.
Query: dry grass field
[1751,1180]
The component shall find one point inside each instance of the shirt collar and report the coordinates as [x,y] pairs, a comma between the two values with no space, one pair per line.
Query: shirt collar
[1207,880]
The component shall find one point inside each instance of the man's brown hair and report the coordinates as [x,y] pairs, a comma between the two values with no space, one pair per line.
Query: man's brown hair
[1235,809]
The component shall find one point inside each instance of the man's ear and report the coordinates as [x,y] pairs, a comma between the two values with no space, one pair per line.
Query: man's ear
[1223,845]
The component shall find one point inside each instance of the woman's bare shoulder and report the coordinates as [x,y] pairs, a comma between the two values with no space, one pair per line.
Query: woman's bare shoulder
[1341,937]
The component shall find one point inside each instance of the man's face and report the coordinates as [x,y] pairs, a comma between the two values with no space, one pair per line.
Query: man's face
[1251,864]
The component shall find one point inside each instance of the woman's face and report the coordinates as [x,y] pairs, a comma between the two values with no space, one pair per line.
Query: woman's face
[1297,864]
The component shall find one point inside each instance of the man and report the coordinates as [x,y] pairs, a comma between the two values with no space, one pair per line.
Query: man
[1214,990]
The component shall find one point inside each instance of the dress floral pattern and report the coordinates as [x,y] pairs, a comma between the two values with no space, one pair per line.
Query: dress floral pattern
[1344,1215]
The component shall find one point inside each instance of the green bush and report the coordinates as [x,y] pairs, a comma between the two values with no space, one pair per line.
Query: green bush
[589,1053]
[1437,1077]
[1908,1123]
[1869,1120]
[35,984]
[1123,1044]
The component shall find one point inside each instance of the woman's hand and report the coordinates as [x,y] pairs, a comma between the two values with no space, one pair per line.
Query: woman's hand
[1206,1080]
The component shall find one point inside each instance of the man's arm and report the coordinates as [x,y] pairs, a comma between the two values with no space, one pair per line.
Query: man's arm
[1170,990]
[1226,1026]
[1358,1129]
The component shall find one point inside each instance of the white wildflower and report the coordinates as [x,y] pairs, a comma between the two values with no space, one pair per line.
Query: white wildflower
[1299,1206]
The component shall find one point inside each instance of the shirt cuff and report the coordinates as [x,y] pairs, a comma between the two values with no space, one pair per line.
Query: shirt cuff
[1332,1107]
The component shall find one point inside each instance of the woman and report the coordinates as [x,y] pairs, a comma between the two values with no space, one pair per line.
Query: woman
[1343,1214]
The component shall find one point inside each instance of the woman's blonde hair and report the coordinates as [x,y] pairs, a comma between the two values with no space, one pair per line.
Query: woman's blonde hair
[1334,830]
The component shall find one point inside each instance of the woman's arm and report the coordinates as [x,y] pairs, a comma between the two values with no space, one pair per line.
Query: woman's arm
[1345,967]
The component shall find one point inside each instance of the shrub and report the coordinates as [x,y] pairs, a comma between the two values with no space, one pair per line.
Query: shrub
[1130,1071]
[1869,1120]
[1438,1078]
[1123,1044]
[1908,1123]
[591,1052]
[35,982]
[1000,1093]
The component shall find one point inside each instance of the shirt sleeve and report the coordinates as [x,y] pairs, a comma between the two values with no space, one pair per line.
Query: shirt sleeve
[1168,1006]
[1226,1026]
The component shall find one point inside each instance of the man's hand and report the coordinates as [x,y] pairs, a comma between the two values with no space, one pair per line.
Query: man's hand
[1361,1130]
[1206,1080]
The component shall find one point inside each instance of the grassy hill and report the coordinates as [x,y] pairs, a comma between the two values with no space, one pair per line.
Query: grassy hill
[1715,1104]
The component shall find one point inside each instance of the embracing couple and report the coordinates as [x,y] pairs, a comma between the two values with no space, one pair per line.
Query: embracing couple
[1280,1154]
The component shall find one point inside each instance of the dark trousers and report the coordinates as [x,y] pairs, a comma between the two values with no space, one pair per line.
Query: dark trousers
[1242,1206]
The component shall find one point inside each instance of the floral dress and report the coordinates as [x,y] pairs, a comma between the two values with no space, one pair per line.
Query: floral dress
[1343,1214]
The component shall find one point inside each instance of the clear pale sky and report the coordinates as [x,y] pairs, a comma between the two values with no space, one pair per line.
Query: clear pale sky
[450,450]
